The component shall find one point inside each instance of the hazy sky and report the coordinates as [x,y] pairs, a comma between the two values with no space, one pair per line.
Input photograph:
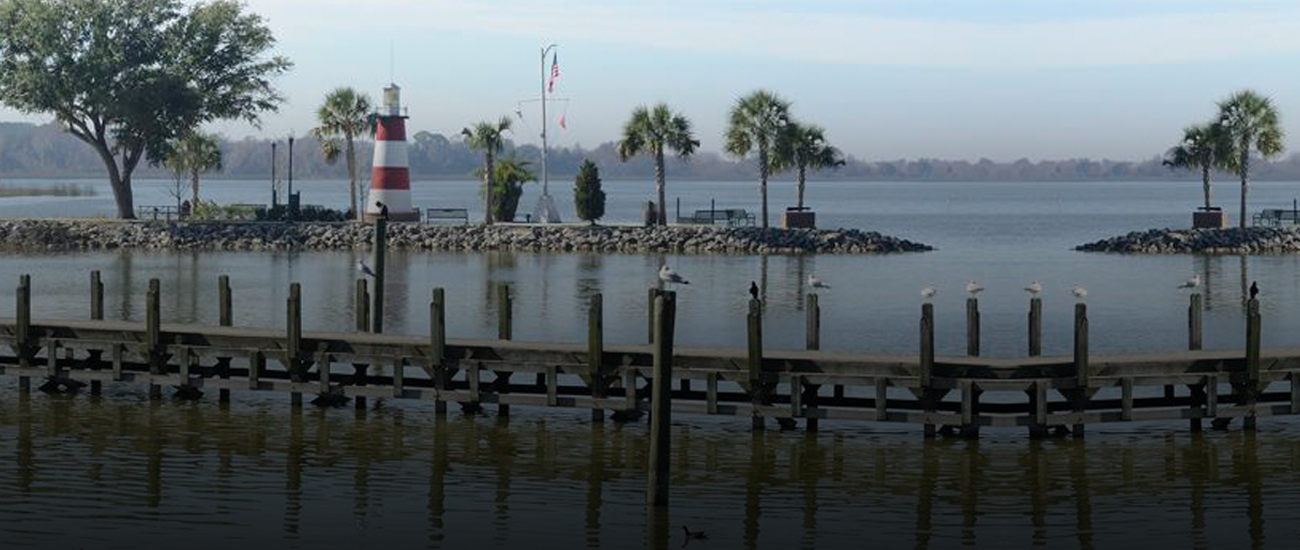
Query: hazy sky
[887,78]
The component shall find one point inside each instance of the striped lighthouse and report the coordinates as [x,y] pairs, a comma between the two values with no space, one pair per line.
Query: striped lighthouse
[390,175]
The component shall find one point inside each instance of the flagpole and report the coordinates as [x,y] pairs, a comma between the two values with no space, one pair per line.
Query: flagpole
[545,211]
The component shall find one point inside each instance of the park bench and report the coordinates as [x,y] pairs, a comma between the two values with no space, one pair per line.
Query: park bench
[729,216]
[442,214]
[1274,217]
[157,212]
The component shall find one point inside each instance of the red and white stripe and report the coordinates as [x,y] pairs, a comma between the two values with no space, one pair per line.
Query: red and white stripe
[390,176]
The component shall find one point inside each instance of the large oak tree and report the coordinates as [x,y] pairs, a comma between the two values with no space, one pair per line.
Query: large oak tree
[128,76]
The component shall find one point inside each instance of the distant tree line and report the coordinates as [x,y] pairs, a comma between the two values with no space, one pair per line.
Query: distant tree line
[33,151]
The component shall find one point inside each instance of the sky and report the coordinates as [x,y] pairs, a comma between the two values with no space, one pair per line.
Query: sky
[888,79]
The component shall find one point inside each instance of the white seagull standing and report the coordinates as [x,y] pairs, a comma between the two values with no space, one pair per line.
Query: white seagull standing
[1193,283]
[1079,292]
[365,269]
[816,283]
[667,275]
[973,288]
[1034,289]
[928,292]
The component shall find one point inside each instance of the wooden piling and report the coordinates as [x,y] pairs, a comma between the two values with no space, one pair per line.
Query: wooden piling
[1080,365]
[293,349]
[755,363]
[927,365]
[651,294]
[1035,327]
[973,326]
[153,334]
[813,342]
[23,329]
[361,310]
[379,250]
[1194,323]
[596,353]
[226,318]
[661,401]
[505,331]
[1252,386]
[96,296]
[438,368]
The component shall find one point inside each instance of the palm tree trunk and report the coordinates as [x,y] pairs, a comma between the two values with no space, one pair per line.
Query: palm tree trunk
[194,188]
[659,184]
[488,177]
[1205,181]
[802,173]
[1245,178]
[762,180]
[352,176]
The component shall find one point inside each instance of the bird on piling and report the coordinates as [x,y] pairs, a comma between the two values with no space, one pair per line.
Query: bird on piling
[1192,284]
[365,269]
[1079,292]
[816,283]
[753,290]
[383,209]
[974,288]
[1034,289]
[668,275]
[1254,290]
[928,292]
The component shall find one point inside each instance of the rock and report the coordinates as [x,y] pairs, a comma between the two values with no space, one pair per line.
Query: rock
[1251,240]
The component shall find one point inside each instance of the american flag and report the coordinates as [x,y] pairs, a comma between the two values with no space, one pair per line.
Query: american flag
[555,72]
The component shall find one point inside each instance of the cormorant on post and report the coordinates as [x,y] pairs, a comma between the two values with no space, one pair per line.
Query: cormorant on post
[1254,290]
[753,290]
[383,209]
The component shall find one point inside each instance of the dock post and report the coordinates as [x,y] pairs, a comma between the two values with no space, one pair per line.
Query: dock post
[293,363]
[226,318]
[1080,366]
[814,342]
[661,401]
[23,330]
[596,354]
[1193,344]
[927,366]
[755,337]
[153,335]
[1252,363]
[651,294]
[1035,327]
[505,331]
[96,296]
[438,347]
[973,326]
[362,307]
[379,249]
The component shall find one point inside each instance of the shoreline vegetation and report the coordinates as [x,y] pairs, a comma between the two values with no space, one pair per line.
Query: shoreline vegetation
[50,235]
[60,190]
[1229,241]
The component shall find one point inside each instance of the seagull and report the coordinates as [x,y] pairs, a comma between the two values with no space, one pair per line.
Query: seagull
[1254,290]
[928,293]
[365,269]
[1034,288]
[814,282]
[1192,283]
[667,275]
[1079,292]
[973,288]
[753,290]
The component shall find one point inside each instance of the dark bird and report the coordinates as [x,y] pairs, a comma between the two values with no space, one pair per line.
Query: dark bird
[383,209]
[697,535]
[1254,290]
[753,290]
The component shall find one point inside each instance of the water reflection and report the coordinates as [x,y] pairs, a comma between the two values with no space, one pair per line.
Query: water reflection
[403,474]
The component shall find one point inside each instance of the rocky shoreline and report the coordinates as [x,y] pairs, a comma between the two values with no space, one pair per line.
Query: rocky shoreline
[1251,240]
[71,235]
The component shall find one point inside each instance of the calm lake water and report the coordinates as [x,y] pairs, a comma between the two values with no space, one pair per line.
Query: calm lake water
[120,472]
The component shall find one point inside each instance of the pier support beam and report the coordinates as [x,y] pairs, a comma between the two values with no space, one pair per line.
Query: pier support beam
[379,251]
[661,401]
[973,327]
[813,342]
[1035,327]
[1082,392]
[96,314]
[596,352]
[505,331]
[438,367]
[927,367]
[1252,385]
[362,317]
[1193,344]
[294,364]
[153,335]
[757,382]
[23,330]
[226,318]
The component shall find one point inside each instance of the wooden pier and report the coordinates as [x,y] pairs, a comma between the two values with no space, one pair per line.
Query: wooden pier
[943,394]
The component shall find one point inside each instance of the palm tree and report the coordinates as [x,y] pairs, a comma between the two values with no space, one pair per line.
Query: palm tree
[649,131]
[510,176]
[1204,147]
[194,154]
[1250,123]
[806,148]
[488,137]
[344,117]
[758,123]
